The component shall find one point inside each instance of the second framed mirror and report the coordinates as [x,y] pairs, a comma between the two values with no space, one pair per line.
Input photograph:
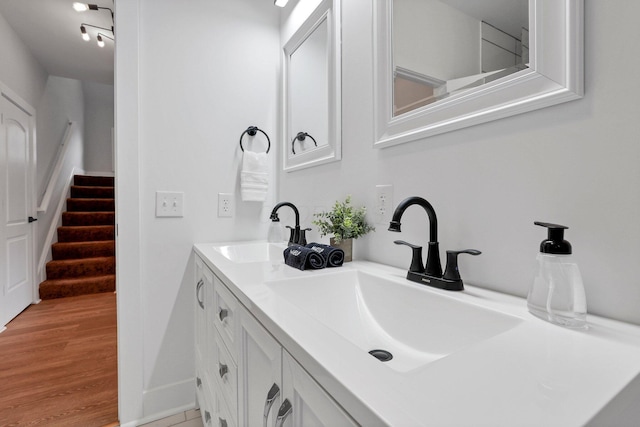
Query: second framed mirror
[312,90]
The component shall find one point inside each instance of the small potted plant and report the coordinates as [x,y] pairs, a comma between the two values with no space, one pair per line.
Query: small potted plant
[345,223]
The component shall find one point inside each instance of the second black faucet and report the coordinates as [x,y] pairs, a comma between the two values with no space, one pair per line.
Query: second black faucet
[297,235]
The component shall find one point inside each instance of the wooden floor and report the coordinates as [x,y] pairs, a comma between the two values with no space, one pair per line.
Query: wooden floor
[58,364]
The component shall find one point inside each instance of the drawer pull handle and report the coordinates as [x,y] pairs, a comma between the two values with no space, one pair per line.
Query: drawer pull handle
[198,287]
[283,412]
[222,422]
[207,417]
[223,314]
[224,369]
[198,382]
[272,395]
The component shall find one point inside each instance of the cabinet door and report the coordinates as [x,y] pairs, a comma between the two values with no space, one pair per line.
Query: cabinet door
[259,374]
[305,402]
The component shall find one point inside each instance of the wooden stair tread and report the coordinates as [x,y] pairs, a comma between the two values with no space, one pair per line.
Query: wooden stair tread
[62,288]
[76,250]
[79,268]
[88,218]
[89,180]
[92,192]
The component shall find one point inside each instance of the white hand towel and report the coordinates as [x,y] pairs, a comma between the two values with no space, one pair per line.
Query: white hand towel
[254,177]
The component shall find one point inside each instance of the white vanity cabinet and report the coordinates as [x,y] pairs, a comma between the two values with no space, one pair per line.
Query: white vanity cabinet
[244,377]
[216,363]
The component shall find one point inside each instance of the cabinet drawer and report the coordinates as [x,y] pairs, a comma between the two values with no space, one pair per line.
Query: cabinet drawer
[224,372]
[225,317]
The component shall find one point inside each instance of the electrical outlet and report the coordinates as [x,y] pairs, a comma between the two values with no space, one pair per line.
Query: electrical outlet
[384,203]
[169,204]
[226,205]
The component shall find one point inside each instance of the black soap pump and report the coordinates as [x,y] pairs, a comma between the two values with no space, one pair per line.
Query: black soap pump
[557,293]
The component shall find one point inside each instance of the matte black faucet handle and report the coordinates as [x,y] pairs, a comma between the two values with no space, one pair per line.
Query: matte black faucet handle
[451,271]
[293,236]
[416,260]
[302,238]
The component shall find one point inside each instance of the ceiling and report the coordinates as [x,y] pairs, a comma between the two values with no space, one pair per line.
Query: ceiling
[51,31]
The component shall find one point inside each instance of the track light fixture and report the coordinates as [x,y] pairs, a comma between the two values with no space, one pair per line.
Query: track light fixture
[83,7]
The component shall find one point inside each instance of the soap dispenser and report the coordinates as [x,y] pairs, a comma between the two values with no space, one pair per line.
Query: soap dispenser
[557,293]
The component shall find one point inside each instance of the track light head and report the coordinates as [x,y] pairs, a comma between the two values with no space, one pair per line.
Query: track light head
[100,41]
[83,7]
[80,7]
[85,35]
[280,3]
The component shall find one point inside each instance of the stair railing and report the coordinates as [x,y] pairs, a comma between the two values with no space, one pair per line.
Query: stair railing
[54,173]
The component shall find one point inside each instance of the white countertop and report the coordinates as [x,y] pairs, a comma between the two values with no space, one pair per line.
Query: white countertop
[534,374]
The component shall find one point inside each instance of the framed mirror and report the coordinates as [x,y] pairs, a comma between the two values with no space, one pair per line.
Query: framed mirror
[442,65]
[312,90]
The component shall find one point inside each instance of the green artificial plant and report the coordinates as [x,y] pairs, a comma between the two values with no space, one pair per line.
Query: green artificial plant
[344,221]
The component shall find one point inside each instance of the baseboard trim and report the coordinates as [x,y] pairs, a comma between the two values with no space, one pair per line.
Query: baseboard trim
[167,400]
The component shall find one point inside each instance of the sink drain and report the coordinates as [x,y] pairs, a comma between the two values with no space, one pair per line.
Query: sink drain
[381,355]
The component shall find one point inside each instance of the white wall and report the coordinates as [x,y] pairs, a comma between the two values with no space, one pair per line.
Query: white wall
[98,124]
[189,81]
[61,102]
[575,164]
[19,69]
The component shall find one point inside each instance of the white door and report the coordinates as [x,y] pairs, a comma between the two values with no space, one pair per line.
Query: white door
[16,207]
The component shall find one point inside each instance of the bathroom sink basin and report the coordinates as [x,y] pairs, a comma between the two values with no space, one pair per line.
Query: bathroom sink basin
[415,325]
[252,252]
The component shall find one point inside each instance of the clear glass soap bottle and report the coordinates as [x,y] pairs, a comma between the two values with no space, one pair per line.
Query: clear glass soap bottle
[557,292]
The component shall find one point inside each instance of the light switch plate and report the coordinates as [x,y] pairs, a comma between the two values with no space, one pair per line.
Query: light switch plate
[169,204]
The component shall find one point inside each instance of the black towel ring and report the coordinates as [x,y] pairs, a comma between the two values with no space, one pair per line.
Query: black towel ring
[252,131]
[301,136]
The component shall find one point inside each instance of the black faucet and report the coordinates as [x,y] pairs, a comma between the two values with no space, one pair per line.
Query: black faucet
[297,236]
[431,274]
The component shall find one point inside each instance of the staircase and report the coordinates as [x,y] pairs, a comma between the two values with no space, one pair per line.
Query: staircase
[84,259]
